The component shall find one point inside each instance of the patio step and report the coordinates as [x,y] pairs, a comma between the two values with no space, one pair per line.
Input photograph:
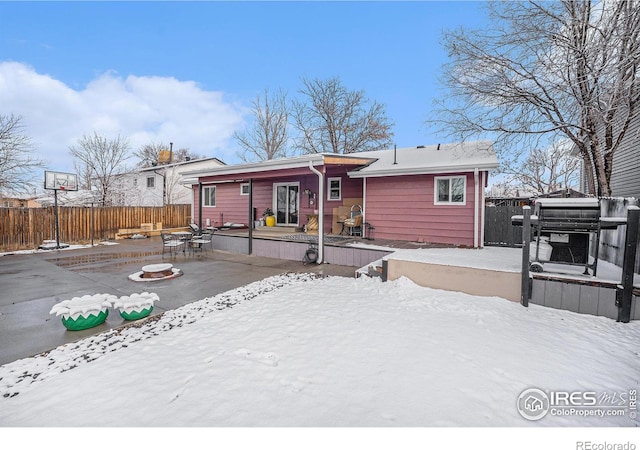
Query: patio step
[372,270]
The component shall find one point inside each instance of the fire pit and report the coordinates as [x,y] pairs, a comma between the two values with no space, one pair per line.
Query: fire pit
[156,272]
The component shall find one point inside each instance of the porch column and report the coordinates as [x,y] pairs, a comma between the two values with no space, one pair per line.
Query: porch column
[476,205]
[320,211]
[251,218]
[200,202]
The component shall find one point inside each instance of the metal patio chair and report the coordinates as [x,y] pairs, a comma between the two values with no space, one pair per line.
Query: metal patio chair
[203,242]
[171,243]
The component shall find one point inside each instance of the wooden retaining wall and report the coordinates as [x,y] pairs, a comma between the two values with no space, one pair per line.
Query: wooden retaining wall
[597,298]
[27,228]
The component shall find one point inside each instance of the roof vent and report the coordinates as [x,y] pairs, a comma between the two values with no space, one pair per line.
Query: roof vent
[420,146]
[438,147]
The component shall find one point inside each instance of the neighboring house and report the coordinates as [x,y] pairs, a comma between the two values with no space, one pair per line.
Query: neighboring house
[70,198]
[422,194]
[159,185]
[19,202]
[625,174]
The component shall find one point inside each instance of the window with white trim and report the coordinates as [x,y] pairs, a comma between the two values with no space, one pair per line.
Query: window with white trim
[151,182]
[209,196]
[450,190]
[335,188]
[244,189]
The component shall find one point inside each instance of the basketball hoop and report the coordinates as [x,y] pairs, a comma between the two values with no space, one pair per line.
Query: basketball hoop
[59,181]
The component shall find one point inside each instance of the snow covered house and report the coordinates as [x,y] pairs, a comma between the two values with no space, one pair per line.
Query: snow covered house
[422,194]
[159,185]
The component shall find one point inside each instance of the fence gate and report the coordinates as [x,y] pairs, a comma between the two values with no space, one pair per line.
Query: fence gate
[498,230]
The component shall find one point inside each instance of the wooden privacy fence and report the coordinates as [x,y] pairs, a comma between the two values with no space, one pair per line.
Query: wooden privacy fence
[27,228]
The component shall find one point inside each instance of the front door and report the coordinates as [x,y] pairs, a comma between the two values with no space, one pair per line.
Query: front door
[287,203]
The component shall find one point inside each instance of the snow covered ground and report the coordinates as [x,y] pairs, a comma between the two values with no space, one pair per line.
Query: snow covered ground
[45,250]
[300,351]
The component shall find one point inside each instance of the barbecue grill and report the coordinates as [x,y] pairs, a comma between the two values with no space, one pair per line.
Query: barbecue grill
[563,228]
[568,224]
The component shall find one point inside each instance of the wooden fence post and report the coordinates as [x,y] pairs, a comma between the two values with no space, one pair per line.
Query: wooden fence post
[526,239]
[624,295]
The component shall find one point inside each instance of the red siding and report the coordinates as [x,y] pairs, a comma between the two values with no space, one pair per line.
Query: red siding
[402,208]
[399,207]
[232,207]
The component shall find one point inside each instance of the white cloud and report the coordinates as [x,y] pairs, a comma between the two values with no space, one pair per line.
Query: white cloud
[144,109]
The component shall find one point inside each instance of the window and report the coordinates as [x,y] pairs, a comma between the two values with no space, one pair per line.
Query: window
[135,182]
[450,190]
[151,182]
[244,189]
[335,188]
[209,196]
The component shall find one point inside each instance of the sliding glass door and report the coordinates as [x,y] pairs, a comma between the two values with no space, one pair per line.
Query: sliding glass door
[287,203]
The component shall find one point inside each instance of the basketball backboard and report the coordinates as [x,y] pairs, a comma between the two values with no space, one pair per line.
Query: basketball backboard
[60,181]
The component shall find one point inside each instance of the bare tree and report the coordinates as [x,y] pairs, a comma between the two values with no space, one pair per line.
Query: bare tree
[267,136]
[546,170]
[85,175]
[104,158]
[545,70]
[17,162]
[150,154]
[332,119]
[184,154]
[173,192]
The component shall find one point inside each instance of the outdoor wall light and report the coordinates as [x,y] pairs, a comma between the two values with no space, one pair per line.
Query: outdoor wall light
[312,197]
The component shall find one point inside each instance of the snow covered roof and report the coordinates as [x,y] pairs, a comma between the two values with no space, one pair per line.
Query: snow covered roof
[440,158]
[213,159]
[316,159]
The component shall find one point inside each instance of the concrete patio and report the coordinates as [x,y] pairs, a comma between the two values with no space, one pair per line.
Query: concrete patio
[33,283]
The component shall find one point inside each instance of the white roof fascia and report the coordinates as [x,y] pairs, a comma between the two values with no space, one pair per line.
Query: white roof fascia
[422,171]
[262,166]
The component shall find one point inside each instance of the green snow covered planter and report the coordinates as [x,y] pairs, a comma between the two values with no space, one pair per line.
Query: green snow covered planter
[135,315]
[136,306]
[84,312]
[82,322]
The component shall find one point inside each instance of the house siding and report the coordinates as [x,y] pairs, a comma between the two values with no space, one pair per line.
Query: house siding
[403,208]
[233,207]
[625,174]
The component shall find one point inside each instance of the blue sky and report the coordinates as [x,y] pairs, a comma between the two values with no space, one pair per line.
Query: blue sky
[186,72]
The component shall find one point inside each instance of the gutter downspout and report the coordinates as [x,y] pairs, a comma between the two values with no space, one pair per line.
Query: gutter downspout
[482,219]
[320,211]
[475,209]
[364,203]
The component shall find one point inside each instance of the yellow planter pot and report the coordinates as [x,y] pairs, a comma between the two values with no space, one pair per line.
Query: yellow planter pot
[270,221]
